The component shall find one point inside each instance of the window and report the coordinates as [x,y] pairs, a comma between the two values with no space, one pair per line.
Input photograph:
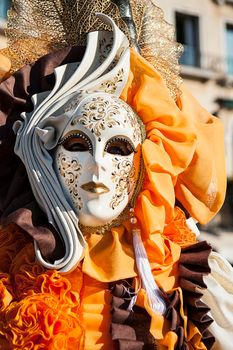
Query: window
[229,45]
[187,31]
[4,7]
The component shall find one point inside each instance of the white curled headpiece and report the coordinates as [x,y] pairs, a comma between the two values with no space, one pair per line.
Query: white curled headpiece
[106,60]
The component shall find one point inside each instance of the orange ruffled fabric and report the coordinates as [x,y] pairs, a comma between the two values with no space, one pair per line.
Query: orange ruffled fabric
[111,257]
[183,152]
[170,150]
[40,308]
[201,187]
[46,310]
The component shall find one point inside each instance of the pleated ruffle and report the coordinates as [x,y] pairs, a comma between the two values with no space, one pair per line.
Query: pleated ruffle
[193,266]
[130,329]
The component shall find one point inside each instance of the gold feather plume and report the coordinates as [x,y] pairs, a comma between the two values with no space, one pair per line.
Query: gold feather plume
[37,27]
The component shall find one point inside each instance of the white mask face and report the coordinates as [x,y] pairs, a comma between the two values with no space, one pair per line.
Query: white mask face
[97,159]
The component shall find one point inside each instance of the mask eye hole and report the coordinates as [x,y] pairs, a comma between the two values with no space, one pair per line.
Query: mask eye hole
[77,142]
[119,146]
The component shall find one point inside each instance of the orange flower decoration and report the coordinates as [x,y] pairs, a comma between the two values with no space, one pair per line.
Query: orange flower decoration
[177,230]
[46,315]
[31,280]
[41,322]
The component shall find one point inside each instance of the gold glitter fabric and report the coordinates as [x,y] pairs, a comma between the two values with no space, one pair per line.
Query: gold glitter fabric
[37,27]
[156,39]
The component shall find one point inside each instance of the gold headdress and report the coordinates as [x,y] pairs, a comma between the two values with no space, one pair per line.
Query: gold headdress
[37,27]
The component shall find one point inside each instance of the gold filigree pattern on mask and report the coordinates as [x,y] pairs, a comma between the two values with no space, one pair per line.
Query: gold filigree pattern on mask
[123,178]
[70,170]
[98,115]
[110,86]
[133,120]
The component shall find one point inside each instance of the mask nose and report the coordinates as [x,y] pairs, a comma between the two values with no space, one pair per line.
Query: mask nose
[99,165]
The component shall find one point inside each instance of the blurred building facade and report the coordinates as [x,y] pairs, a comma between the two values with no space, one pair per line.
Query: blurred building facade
[4,6]
[205,28]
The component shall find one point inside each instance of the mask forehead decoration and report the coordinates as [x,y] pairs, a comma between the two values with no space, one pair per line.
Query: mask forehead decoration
[98,159]
[40,131]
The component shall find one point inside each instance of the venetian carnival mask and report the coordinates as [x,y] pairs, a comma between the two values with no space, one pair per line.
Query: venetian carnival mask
[84,164]
[98,158]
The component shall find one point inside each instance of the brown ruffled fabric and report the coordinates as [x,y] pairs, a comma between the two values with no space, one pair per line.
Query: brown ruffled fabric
[130,329]
[193,266]
[173,315]
[17,203]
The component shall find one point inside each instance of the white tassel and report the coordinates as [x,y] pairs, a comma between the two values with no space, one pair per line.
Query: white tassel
[155,299]
[192,226]
[132,303]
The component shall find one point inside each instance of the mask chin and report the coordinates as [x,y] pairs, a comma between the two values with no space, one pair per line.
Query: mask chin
[94,214]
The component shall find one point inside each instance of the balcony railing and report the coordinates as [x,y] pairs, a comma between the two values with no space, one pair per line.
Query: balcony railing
[190,56]
[205,62]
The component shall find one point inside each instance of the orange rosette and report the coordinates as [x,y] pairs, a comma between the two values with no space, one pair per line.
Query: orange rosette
[178,232]
[46,314]
[40,322]
[29,278]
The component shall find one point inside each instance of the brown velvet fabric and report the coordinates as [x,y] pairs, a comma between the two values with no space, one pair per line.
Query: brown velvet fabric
[17,203]
[193,266]
[130,329]
[173,315]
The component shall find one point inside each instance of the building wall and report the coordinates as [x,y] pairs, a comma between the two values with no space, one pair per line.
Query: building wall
[4,5]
